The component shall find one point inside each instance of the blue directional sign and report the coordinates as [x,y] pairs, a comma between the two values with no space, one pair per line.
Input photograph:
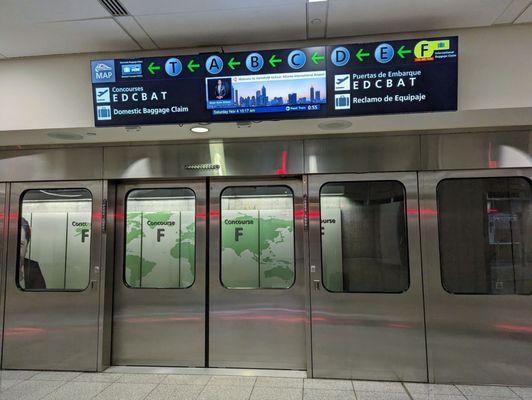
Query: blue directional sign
[340,56]
[214,65]
[173,66]
[297,59]
[384,53]
[254,62]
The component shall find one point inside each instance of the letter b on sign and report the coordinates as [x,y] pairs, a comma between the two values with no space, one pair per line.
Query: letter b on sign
[254,62]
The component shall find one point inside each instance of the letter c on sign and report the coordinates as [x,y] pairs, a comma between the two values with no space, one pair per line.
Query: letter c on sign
[297,59]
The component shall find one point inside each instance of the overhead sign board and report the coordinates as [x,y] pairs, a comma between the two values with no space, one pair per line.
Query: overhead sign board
[356,79]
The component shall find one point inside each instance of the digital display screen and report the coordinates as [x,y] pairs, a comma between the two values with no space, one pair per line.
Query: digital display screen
[403,76]
[271,93]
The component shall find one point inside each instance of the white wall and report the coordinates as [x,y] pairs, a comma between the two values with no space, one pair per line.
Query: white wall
[495,66]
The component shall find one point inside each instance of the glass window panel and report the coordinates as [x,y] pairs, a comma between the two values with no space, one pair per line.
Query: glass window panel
[160,240]
[257,237]
[54,239]
[485,233]
[364,242]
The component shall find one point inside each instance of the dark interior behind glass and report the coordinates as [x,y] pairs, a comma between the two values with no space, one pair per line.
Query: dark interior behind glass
[372,254]
[485,235]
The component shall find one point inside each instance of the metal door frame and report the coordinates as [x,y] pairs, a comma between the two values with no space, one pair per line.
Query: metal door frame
[4,220]
[88,362]
[299,290]
[434,291]
[197,291]
[413,295]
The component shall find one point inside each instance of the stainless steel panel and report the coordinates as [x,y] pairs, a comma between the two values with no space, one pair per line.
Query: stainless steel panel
[474,339]
[368,335]
[256,328]
[206,159]
[160,327]
[477,150]
[105,317]
[51,164]
[4,213]
[52,330]
[367,154]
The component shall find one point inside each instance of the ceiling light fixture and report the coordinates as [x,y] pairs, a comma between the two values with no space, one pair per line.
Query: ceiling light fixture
[199,129]
[316,1]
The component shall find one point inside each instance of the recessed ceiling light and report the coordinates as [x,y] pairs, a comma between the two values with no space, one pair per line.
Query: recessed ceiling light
[199,129]
[317,1]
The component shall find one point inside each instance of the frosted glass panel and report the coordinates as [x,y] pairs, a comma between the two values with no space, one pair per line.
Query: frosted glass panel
[55,239]
[160,238]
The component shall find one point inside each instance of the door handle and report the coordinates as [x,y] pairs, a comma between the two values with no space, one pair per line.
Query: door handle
[316,284]
[95,280]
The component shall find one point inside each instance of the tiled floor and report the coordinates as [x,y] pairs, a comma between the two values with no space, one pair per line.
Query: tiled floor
[112,386]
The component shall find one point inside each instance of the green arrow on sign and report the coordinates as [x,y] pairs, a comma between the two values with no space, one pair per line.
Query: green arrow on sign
[233,63]
[360,55]
[152,68]
[402,51]
[317,58]
[191,66]
[274,61]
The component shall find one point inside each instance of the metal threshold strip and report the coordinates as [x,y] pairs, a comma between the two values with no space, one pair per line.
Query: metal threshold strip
[276,373]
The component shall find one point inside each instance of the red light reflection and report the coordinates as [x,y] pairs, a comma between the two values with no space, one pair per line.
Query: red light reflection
[252,317]
[284,159]
[491,163]
[514,328]
[24,331]
[299,213]
[143,320]
[314,214]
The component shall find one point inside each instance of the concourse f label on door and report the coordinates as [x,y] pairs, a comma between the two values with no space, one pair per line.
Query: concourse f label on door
[386,77]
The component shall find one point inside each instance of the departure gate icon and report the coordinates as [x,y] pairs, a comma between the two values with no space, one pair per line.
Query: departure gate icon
[342,83]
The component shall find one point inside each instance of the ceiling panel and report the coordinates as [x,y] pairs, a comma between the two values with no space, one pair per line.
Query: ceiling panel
[152,7]
[364,17]
[132,27]
[514,10]
[17,40]
[246,25]
[526,16]
[25,11]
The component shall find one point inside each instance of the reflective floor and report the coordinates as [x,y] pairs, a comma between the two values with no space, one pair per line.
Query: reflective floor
[134,386]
